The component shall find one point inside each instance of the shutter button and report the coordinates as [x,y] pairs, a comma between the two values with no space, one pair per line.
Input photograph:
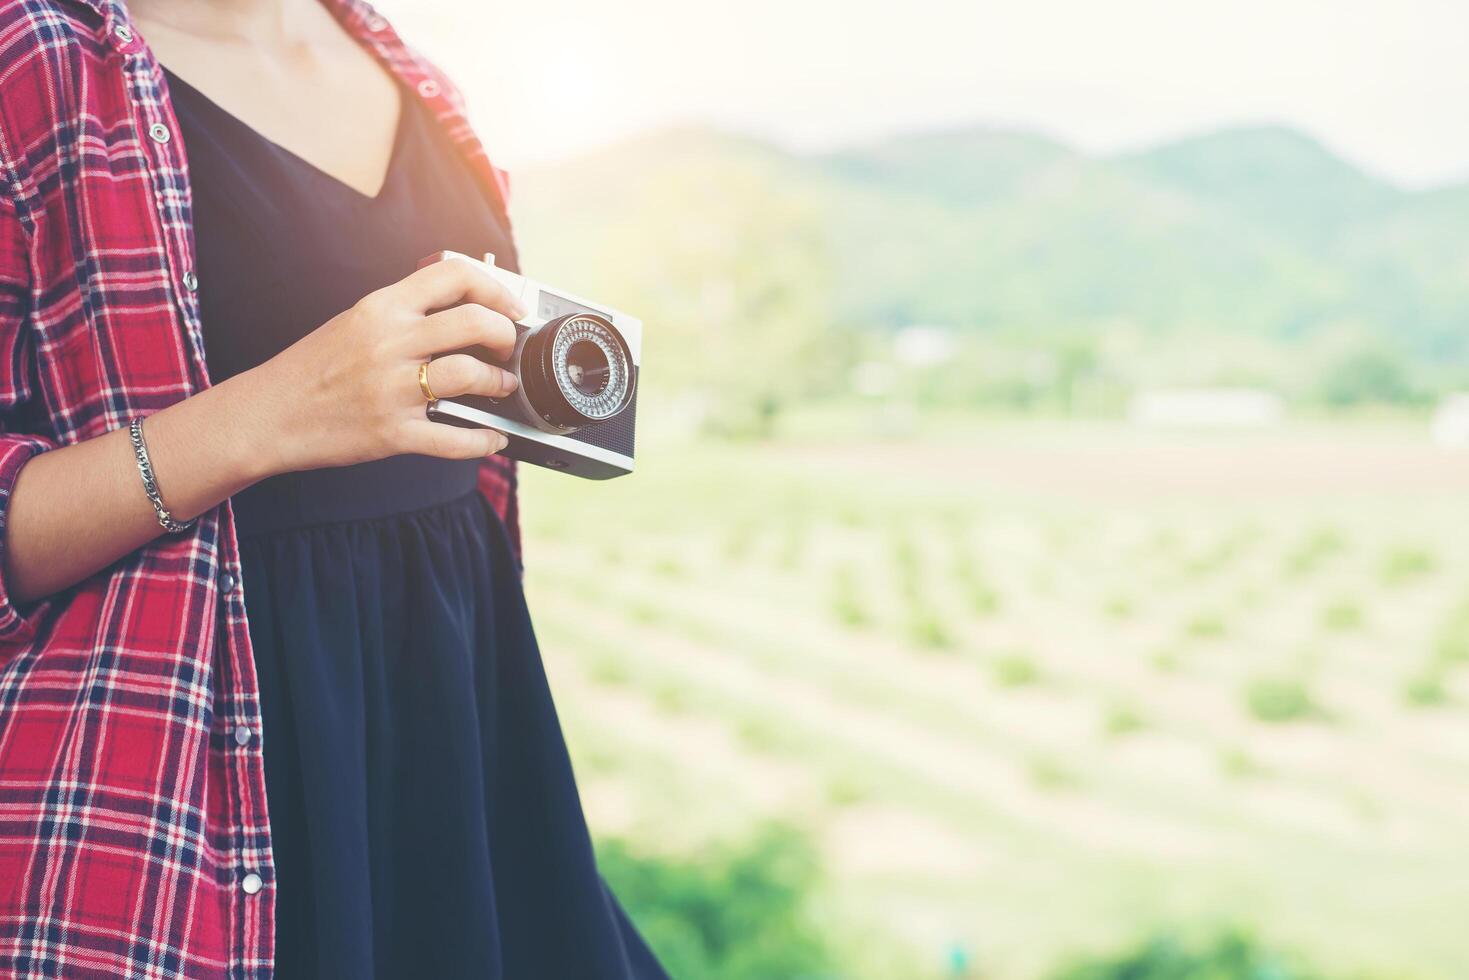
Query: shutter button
[252,883]
[159,133]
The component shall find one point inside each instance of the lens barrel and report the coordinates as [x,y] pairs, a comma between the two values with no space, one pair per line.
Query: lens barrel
[576,370]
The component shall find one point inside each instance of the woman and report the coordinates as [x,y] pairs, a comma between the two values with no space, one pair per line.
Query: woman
[270,702]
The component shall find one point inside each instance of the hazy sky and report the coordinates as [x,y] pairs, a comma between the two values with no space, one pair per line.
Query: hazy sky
[1385,82]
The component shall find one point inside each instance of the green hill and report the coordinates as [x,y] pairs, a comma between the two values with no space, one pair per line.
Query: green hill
[1272,177]
[1253,232]
[959,167]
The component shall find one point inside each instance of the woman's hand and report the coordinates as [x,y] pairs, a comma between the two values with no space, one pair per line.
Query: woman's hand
[348,392]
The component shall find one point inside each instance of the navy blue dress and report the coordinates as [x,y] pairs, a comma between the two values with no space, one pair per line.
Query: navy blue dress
[422,807]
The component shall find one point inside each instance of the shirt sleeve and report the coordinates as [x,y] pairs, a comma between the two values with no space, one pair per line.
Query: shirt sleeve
[17,389]
[498,482]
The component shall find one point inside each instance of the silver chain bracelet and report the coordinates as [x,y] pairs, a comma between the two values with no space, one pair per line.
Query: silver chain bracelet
[150,485]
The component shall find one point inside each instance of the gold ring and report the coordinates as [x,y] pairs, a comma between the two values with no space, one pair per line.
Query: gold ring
[423,383]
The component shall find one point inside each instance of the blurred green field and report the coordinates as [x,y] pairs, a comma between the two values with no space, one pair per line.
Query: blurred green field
[1036,689]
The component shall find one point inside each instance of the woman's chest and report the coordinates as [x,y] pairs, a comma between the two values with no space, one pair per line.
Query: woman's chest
[337,107]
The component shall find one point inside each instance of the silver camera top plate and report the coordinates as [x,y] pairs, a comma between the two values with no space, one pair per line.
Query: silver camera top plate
[546,303]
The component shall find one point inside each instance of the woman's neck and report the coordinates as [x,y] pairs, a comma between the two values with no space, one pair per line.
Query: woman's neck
[271,22]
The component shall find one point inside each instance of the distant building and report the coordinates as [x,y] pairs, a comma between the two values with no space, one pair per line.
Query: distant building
[923,347]
[1209,408]
[1450,426]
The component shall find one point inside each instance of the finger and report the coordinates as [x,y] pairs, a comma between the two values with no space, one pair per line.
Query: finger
[465,374]
[457,279]
[429,438]
[466,326]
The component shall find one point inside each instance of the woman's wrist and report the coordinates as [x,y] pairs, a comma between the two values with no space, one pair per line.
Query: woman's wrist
[263,434]
[212,445]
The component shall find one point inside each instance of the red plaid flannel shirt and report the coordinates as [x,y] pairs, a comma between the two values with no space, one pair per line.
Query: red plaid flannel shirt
[130,815]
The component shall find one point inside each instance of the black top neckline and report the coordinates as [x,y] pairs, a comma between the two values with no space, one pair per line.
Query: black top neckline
[281,247]
[400,139]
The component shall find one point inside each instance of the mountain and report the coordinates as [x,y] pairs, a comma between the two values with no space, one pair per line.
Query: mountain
[961,167]
[1268,175]
[1259,231]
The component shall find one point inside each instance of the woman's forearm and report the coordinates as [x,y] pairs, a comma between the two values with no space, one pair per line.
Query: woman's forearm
[77,509]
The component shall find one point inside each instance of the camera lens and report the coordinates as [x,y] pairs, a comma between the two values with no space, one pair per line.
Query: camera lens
[577,370]
[588,368]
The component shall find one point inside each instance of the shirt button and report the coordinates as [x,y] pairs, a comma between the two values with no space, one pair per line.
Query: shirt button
[191,281]
[428,88]
[252,883]
[376,24]
[227,582]
[242,735]
[159,133]
[123,33]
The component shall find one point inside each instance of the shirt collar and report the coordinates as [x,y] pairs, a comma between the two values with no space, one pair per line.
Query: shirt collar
[111,11]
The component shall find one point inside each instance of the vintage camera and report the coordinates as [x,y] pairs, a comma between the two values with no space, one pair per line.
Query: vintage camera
[575,408]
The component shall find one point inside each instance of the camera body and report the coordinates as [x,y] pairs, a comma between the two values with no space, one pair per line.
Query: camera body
[576,363]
